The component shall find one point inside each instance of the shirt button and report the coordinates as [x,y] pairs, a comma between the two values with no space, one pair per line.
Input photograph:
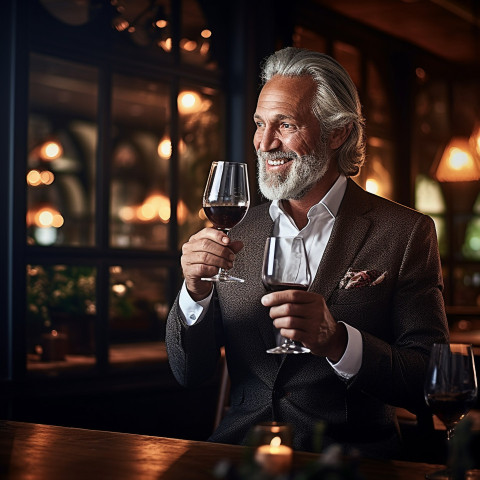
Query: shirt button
[192,316]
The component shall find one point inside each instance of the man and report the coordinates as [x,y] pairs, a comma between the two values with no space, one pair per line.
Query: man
[374,307]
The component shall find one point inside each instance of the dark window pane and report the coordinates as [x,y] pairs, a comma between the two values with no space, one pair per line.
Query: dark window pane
[138,311]
[349,57]
[61,313]
[61,152]
[144,23]
[467,286]
[140,203]
[197,36]
[377,98]
[201,133]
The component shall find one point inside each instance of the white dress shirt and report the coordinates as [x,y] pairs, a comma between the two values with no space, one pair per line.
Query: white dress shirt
[315,234]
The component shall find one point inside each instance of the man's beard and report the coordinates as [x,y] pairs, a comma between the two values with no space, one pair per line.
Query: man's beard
[304,172]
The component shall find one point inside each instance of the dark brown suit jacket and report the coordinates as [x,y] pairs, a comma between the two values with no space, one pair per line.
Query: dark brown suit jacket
[399,320]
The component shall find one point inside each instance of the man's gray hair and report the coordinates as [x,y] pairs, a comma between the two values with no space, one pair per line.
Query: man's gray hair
[336,103]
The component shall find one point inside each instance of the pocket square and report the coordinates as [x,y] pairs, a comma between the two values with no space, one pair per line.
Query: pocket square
[361,278]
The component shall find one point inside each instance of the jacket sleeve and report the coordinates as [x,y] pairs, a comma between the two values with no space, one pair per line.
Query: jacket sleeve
[193,351]
[394,372]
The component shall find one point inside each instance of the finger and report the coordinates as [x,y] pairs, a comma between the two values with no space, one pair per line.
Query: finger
[288,310]
[293,334]
[196,262]
[291,323]
[287,296]
[203,249]
[211,233]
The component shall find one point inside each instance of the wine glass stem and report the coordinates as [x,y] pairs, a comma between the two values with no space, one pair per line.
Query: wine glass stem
[221,271]
[450,432]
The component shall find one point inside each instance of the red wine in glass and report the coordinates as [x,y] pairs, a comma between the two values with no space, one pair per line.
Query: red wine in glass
[450,408]
[225,217]
[280,287]
[225,202]
[285,267]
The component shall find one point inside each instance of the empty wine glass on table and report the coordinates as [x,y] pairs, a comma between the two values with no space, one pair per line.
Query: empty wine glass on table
[450,389]
[225,202]
[285,267]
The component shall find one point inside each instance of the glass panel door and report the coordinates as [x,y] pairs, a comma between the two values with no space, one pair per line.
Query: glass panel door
[62,139]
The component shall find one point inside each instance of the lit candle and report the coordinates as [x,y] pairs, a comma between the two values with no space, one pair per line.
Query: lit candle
[54,346]
[274,458]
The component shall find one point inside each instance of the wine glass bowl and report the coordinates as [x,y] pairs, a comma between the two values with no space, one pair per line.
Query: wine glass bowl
[285,267]
[450,387]
[226,200]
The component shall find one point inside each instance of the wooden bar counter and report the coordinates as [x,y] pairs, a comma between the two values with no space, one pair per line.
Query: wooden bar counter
[45,452]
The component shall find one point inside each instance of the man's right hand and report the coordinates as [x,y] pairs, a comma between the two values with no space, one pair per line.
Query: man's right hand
[202,256]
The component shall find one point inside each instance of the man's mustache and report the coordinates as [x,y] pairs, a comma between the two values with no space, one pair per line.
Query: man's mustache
[276,155]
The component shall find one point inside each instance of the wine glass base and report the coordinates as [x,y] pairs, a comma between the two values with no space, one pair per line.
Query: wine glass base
[223,278]
[289,348]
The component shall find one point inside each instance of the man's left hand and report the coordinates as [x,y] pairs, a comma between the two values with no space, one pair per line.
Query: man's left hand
[305,317]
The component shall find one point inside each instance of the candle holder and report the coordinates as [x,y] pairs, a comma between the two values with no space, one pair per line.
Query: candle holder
[54,346]
[273,447]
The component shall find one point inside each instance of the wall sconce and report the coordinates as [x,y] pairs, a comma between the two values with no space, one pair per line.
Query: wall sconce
[458,162]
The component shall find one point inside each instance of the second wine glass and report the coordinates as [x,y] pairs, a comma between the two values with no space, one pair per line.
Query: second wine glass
[285,267]
[450,388]
[225,202]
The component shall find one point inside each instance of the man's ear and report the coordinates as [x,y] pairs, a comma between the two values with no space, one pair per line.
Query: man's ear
[338,136]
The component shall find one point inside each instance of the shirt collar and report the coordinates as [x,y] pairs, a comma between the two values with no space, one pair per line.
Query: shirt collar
[330,202]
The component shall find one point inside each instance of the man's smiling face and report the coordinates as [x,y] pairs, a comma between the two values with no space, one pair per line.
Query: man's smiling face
[291,154]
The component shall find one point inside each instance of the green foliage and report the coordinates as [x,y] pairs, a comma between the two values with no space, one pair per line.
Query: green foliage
[59,288]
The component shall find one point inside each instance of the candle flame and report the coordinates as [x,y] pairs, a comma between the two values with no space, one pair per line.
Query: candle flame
[275,443]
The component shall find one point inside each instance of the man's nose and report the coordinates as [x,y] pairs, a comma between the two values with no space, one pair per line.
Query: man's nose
[269,140]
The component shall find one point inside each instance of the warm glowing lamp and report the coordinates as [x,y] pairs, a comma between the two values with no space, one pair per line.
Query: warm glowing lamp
[164,148]
[189,102]
[372,186]
[45,217]
[50,150]
[458,162]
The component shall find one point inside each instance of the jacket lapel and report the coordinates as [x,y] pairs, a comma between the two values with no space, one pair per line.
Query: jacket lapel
[348,235]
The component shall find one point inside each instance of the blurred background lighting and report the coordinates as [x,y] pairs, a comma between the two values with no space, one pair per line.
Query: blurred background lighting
[165,148]
[34,178]
[189,102]
[50,150]
[371,185]
[188,45]
[45,217]
[457,163]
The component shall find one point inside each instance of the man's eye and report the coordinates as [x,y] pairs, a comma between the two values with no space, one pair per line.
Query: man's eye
[259,124]
[286,125]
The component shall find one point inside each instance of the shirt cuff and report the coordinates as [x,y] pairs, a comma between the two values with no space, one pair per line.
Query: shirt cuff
[351,361]
[191,310]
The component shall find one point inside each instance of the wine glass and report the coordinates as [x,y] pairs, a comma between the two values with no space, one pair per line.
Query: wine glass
[225,202]
[450,388]
[285,267]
